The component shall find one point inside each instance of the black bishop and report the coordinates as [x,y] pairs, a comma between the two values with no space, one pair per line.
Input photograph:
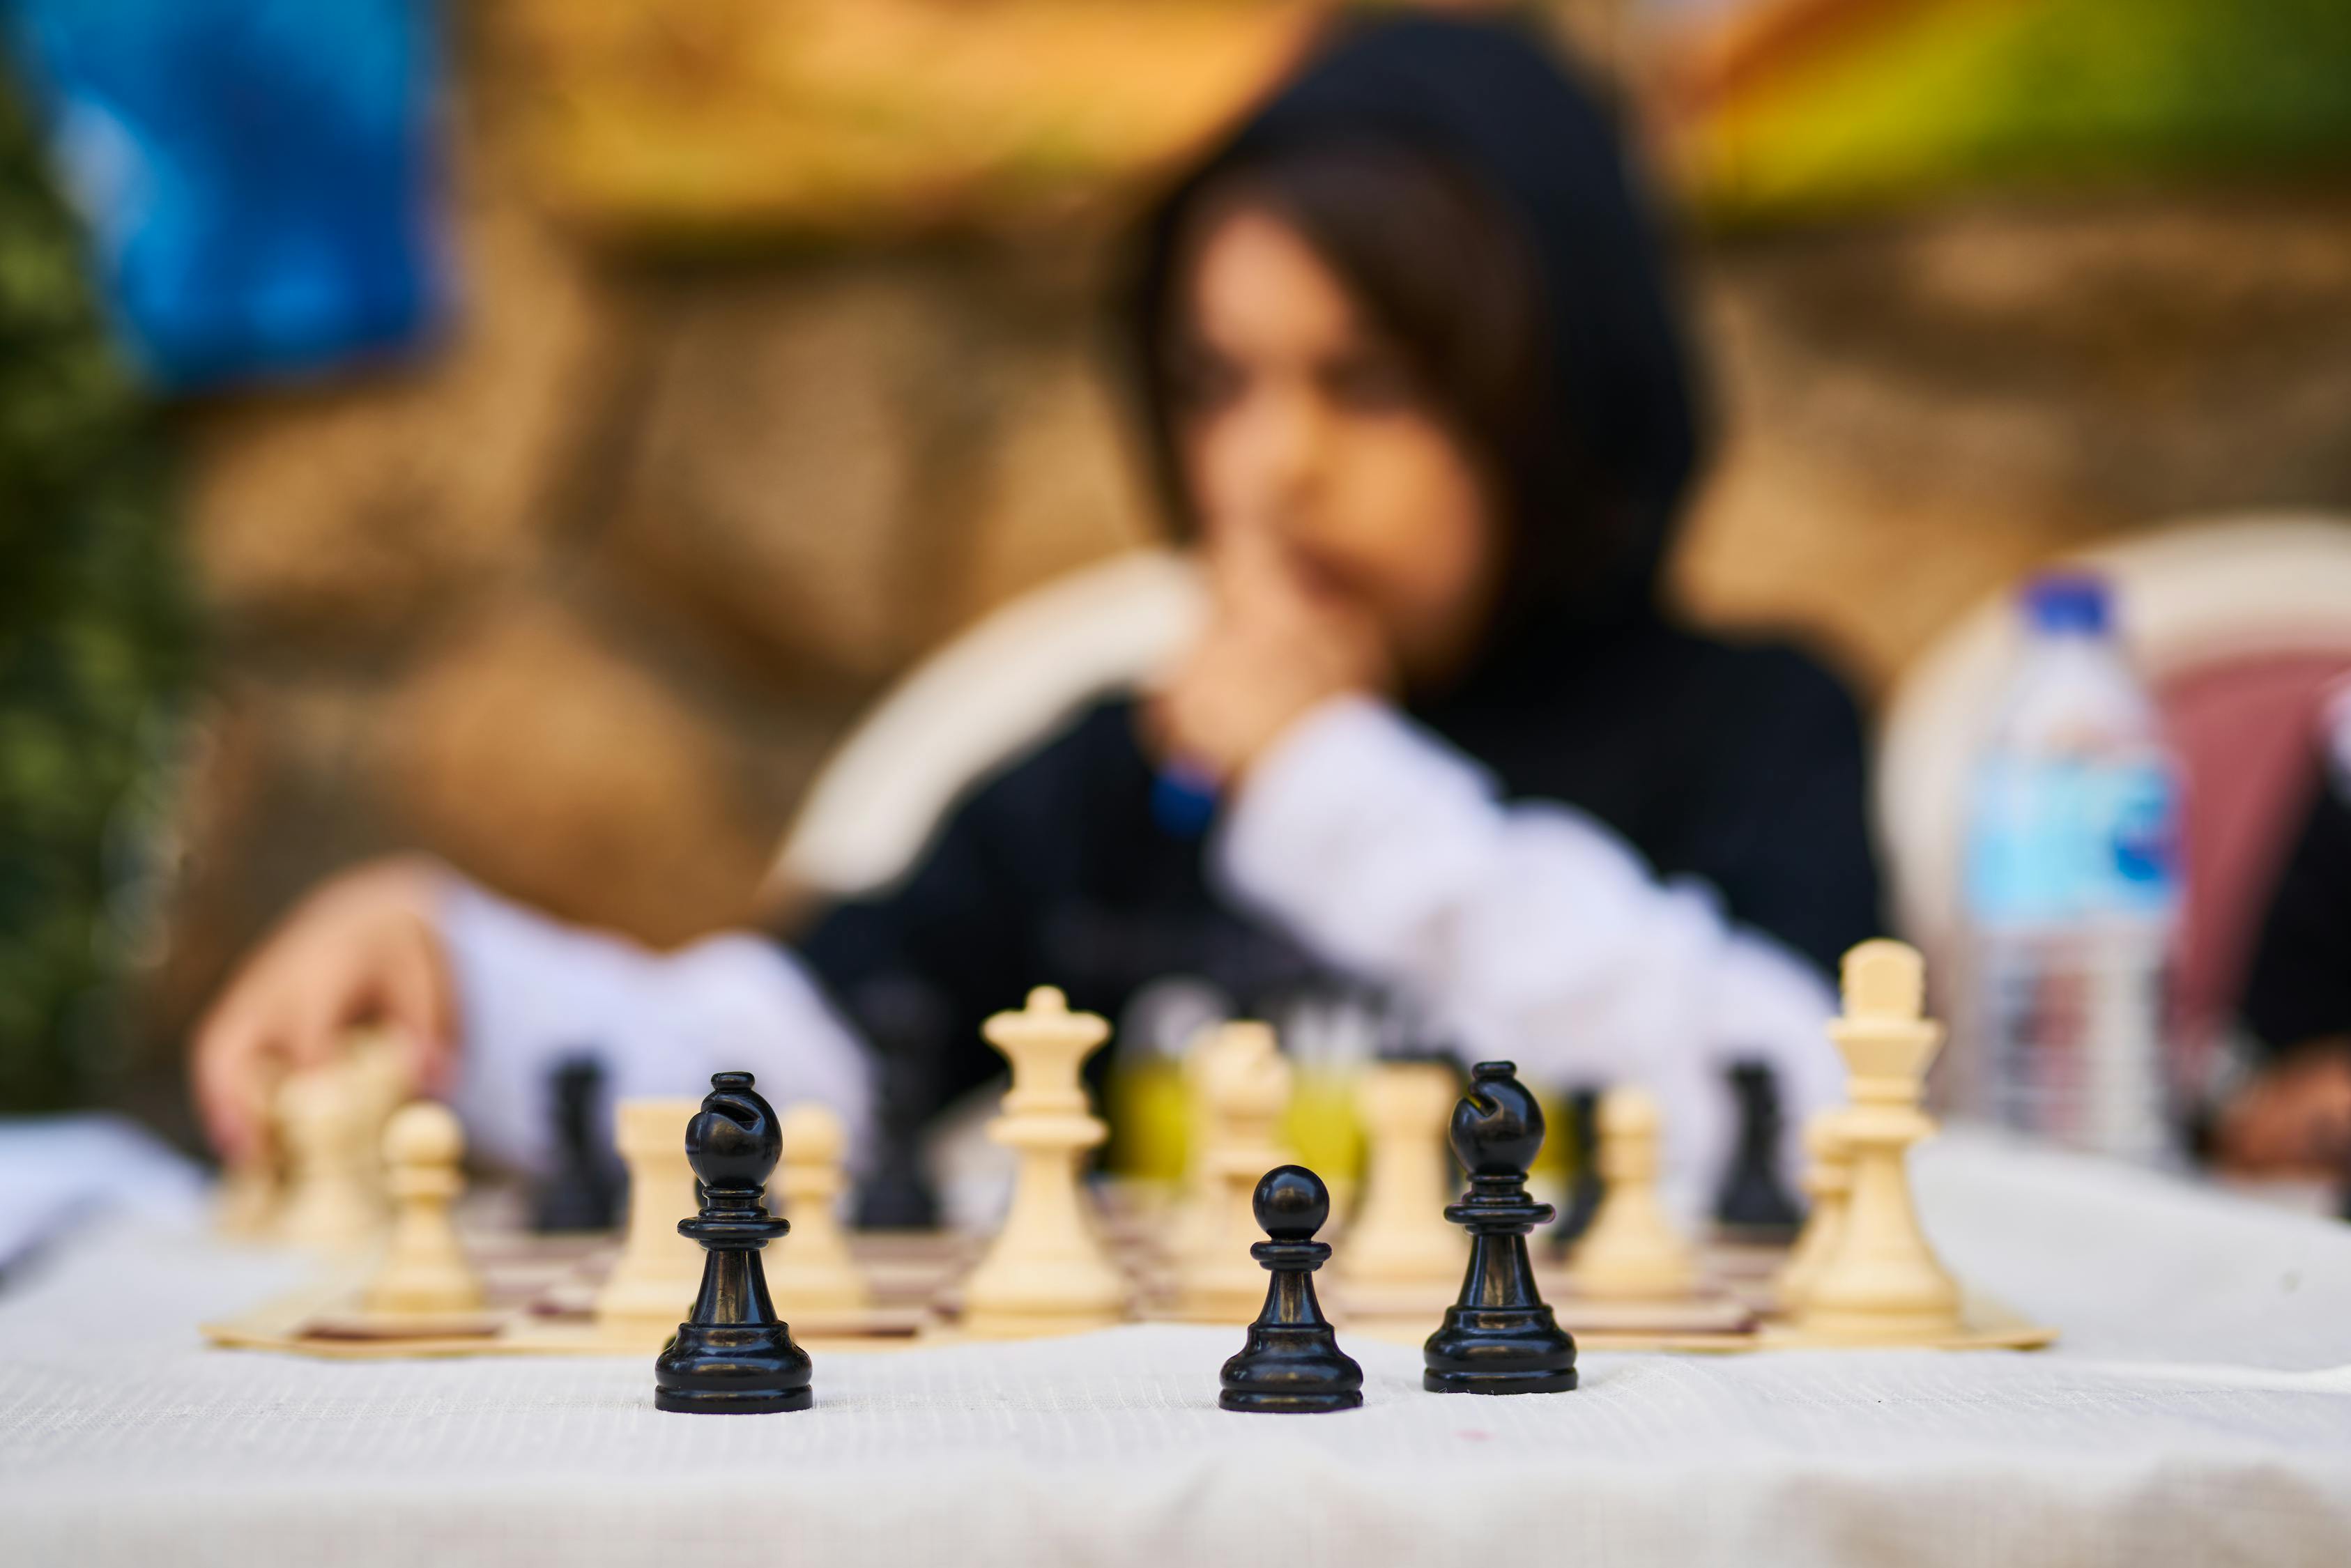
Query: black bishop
[735,1356]
[1500,1337]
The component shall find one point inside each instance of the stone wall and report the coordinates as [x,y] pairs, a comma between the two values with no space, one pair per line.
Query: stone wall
[1920,408]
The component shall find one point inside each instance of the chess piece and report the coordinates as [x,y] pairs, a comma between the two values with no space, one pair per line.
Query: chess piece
[654,1278]
[384,1069]
[1047,1271]
[324,1124]
[1500,1336]
[1632,1252]
[904,1020]
[1197,1229]
[1883,1284]
[424,1272]
[583,1192]
[1291,1362]
[1752,1204]
[245,1205]
[734,1356]
[1584,1185]
[252,1191]
[1400,1239]
[1828,1180]
[1244,1087]
[815,1275]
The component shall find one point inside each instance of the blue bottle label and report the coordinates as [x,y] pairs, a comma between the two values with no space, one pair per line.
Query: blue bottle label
[2056,840]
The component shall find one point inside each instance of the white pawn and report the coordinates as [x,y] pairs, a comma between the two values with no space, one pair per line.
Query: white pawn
[1047,1271]
[652,1287]
[334,1200]
[1828,1179]
[1883,1283]
[1401,1238]
[1245,1089]
[424,1272]
[1632,1252]
[812,1271]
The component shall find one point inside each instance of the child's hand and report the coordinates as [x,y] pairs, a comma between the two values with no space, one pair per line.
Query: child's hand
[361,948]
[1277,646]
[2292,1118]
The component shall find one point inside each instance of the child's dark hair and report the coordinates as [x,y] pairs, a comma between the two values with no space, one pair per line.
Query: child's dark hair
[1438,263]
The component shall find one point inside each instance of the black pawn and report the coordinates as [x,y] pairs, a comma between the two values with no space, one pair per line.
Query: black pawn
[1585,1188]
[1292,1363]
[584,1193]
[1751,1202]
[735,1356]
[1500,1337]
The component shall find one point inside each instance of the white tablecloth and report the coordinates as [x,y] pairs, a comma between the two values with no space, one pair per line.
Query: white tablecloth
[2199,1411]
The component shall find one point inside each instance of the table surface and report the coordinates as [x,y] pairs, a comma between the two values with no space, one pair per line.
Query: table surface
[2197,1410]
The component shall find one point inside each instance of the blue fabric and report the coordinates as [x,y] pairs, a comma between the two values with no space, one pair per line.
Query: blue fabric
[260,177]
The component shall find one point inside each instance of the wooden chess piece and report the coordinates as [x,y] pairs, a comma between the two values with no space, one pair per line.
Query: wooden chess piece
[1752,1204]
[1500,1336]
[1828,1180]
[1584,1186]
[1400,1241]
[383,1080]
[1883,1283]
[424,1272]
[1245,1084]
[905,1019]
[654,1281]
[1197,1230]
[1632,1252]
[245,1205]
[251,1193]
[1046,1273]
[583,1191]
[332,1203]
[816,1275]
[1292,1363]
[734,1356]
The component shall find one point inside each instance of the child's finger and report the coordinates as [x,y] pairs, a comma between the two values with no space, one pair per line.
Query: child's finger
[1253,577]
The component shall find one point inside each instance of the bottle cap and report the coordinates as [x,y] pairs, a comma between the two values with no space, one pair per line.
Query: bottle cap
[2068,601]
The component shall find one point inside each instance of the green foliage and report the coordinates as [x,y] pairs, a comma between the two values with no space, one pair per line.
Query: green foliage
[1971,93]
[94,637]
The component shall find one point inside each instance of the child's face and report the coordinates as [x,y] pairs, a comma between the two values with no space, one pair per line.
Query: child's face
[1297,421]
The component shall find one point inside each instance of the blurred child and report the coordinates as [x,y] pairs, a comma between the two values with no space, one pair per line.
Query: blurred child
[1405,352]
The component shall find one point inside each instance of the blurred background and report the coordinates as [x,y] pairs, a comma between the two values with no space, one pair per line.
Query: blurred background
[533,431]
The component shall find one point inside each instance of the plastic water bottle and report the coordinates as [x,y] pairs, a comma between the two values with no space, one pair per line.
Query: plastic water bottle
[2073,889]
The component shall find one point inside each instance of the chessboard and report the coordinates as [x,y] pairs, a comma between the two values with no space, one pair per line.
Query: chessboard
[539,1295]
[1071,1256]
[540,1291]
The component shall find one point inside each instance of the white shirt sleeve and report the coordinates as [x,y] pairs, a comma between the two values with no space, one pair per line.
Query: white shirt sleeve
[1528,932]
[531,991]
